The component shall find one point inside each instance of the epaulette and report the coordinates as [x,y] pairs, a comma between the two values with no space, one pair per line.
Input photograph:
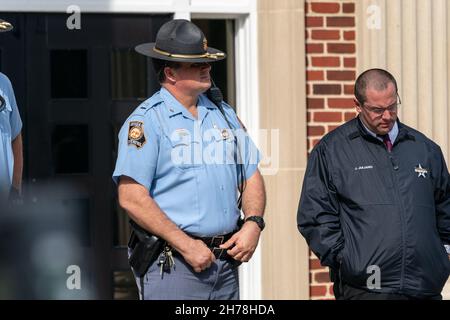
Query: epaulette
[148,104]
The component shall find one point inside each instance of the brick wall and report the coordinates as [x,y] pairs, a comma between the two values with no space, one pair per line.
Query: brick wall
[331,72]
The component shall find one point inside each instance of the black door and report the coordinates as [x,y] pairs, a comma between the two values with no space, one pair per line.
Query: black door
[74,89]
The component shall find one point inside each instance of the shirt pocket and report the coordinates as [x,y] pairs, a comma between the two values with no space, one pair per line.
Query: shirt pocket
[220,148]
[186,154]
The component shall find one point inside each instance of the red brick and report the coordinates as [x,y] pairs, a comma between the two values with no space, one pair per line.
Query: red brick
[326,89]
[322,277]
[314,75]
[315,131]
[314,48]
[314,264]
[317,291]
[311,144]
[348,7]
[341,103]
[350,63]
[349,116]
[349,89]
[326,61]
[315,142]
[325,7]
[308,116]
[328,116]
[325,35]
[341,75]
[312,103]
[341,47]
[308,90]
[331,128]
[349,35]
[314,22]
[331,290]
[340,21]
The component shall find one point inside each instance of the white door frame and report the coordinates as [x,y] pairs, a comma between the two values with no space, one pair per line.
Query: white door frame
[244,12]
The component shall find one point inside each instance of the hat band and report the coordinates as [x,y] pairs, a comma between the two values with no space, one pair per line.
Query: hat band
[5,25]
[190,56]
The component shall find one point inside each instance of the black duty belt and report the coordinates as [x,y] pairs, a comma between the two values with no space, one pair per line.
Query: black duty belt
[213,243]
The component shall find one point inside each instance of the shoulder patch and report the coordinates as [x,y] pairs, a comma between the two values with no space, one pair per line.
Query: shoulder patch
[136,136]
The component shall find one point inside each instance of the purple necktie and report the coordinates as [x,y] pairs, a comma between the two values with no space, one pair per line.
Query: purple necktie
[387,142]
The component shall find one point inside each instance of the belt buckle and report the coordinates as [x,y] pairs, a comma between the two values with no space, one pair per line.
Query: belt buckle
[214,250]
[216,241]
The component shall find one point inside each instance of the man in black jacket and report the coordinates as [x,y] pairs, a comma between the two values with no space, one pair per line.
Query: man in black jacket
[375,202]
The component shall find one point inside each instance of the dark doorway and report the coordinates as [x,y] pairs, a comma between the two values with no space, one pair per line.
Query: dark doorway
[74,89]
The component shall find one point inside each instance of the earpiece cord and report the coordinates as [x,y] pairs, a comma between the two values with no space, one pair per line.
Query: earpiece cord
[216,97]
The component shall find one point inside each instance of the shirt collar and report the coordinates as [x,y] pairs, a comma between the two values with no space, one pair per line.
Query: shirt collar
[176,108]
[392,134]
[173,105]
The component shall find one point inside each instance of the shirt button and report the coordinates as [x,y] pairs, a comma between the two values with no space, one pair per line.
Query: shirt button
[222,188]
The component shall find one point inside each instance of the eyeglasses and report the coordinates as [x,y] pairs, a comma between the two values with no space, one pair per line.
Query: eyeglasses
[380,111]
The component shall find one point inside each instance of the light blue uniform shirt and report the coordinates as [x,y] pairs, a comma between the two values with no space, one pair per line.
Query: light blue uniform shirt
[10,127]
[187,164]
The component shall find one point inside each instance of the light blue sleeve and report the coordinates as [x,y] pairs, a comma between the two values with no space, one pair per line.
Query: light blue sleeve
[137,157]
[15,120]
[250,155]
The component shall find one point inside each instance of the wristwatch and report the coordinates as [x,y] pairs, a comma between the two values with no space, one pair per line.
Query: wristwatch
[259,221]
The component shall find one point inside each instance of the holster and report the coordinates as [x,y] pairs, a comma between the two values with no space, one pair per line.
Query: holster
[145,249]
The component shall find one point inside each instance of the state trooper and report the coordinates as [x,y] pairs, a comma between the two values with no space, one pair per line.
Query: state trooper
[11,157]
[185,166]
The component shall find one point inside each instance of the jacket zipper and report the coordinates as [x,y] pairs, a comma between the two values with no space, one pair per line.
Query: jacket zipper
[402,218]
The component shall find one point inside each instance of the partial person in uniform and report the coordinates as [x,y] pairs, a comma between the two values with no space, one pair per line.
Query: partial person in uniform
[11,156]
[185,165]
[375,202]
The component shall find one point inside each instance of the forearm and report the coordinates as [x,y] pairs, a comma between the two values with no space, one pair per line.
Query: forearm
[17,149]
[135,199]
[254,196]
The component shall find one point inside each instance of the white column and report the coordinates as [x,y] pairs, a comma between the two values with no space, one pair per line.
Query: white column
[440,75]
[248,110]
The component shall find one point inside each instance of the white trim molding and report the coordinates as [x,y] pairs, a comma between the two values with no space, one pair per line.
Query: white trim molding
[131,6]
[247,100]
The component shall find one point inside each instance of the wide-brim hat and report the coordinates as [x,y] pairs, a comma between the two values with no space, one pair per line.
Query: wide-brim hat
[181,41]
[5,26]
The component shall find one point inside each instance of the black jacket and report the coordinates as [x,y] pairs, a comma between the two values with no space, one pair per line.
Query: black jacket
[362,206]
